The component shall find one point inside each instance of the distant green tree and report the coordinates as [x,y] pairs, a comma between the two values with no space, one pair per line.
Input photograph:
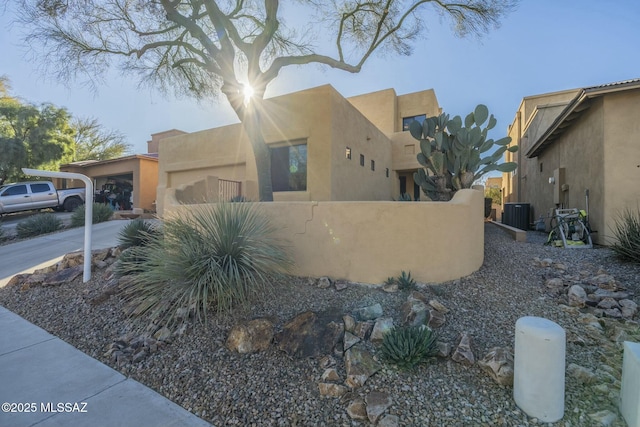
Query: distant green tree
[494,193]
[31,136]
[4,86]
[94,142]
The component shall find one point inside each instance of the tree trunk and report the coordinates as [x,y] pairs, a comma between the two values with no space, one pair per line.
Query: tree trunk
[253,126]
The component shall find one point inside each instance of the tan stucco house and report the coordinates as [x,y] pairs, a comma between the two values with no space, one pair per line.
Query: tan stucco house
[576,142]
[337,166]
[324,147]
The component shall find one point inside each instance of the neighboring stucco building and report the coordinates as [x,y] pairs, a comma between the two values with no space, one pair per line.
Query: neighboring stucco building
[576,141]
[323,147]
[137,173]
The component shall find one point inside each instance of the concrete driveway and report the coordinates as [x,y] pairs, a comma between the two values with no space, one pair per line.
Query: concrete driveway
[29,255]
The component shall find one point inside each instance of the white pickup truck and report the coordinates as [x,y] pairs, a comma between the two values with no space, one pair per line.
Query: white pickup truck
[28,195]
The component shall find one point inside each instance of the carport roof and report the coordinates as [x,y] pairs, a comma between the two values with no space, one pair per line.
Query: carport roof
[85,163]
[574,109]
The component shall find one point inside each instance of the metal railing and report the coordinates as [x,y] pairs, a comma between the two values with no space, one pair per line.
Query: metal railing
[229,190]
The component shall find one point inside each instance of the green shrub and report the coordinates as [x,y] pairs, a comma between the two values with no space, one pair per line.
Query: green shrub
[405,281]
[408,346]
[38,224]
[215,257]
[626,232]
[101,213]
[136,233]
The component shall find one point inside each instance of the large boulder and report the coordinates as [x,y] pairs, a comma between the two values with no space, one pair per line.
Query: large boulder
[250,337]
[311,334]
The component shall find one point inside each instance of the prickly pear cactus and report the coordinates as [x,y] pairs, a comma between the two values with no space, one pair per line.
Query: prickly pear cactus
[451,152]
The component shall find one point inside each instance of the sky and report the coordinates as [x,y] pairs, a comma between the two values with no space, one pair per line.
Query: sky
[543,46]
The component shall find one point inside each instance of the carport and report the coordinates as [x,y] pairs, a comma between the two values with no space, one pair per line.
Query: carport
[132,179]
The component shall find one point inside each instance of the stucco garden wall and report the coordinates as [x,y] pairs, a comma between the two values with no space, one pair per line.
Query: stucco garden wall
[370,241]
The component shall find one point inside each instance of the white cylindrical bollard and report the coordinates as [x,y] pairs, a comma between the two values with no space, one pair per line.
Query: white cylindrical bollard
[539,368]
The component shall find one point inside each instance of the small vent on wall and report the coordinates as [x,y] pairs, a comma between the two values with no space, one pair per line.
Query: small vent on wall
[361,159]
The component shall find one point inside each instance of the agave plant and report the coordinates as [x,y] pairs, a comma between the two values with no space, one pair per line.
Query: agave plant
[406,347]
[405,281]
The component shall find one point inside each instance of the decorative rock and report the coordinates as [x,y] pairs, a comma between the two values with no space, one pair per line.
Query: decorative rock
[332,390]
[377,403]
[371,312]
[604,418]
[363,329]
[628,308]
[350,340]
[414,313]
[577,296]
[436,319]
[601,294]
[438,306]
[251,337]
[559,266]
[360,365]
[330,375]
[607,303]
[162,334]
[605,281]
[341,285]
[310,334]
[327,361]
[324,282]
[613,312]
[417,296]
[349,323]
[463,353]
[580,373]
[63,276]
[498,363]
[391,288]
[357,409]
[381,327]
[553,283]
[18,279]
[444,349]
[389,421]
[546,262]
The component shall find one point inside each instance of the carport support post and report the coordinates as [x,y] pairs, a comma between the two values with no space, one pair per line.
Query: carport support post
[88,210]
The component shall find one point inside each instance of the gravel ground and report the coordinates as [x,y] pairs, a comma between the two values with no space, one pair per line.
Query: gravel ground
[268,388]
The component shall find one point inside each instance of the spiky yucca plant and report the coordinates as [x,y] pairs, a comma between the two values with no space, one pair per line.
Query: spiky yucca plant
[101,213]
[213,257]
[38,224]
[408,346]
[136,233]
[626,232]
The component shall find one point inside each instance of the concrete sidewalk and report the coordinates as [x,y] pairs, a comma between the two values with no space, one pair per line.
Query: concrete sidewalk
[56,383]
[29,255]
[47,382]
